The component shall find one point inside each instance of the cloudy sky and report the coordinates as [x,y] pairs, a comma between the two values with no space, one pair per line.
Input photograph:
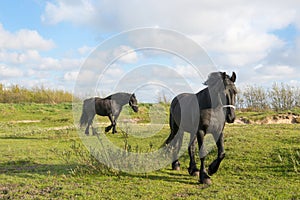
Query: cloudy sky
[48,42]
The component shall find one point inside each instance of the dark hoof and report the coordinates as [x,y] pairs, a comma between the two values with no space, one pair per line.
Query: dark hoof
[206,181]
[194,172]
[107,129]
[87,133]
[212,170]
[176,166]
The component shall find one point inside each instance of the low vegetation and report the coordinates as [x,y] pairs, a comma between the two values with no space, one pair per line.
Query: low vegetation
[42,157]
[18,94]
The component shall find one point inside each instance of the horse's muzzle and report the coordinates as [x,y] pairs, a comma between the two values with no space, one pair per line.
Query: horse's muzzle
[230,115]
[135,108]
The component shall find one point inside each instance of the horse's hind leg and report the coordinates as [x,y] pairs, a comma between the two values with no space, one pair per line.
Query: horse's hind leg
[177,146]
[214,166]
[111,121]
[193,170]
[174,145]
[87,129]
[90,122]
[203,177]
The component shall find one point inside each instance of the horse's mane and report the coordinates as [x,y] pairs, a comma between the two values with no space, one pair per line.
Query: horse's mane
[119,97]
[215,81]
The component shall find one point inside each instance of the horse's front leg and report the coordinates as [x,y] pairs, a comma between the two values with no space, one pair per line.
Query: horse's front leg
[214,166]
[110,116]
[114,124]
[203,177]
[193,170]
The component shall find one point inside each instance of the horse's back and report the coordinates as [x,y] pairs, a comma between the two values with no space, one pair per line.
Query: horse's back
[185,112]
[89,105]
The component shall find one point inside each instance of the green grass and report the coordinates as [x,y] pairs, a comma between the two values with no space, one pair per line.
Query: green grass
[40,162]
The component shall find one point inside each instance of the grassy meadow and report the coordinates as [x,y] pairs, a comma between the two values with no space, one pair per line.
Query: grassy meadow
[42,157]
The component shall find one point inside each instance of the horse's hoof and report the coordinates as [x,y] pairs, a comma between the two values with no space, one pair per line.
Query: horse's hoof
[195,173]
[176,166]
[206,181]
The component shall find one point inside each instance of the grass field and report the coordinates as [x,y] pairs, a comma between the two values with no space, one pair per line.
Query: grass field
[42,157]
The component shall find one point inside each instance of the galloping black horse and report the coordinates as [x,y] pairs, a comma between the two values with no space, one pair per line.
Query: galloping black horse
[199,114]
[110,106]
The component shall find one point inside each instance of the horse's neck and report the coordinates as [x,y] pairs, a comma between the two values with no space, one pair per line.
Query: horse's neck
[209,98]
[122,99]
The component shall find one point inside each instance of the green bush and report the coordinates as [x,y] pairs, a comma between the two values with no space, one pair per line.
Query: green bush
[18,94]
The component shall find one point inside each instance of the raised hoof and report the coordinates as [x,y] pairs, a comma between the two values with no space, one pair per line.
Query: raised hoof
[195,173]
[211,171]
[176,166]
[206,181]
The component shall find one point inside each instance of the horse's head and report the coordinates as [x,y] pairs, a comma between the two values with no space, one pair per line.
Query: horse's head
[230,96]
[223,91]
[133,103]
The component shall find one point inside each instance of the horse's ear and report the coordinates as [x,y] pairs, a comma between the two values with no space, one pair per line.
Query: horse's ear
[233,77]
[223,74]
[133,95]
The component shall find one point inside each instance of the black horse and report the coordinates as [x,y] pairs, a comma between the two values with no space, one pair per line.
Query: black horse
[110,106]
[199,114]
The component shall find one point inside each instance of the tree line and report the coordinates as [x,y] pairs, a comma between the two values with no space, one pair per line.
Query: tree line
[278,97]
[18,94]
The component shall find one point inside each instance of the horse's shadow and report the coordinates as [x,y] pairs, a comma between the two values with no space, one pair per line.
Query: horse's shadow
[24,166]
[27,168]
[165,175]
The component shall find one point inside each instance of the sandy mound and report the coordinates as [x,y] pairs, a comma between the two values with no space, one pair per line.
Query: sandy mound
[275,119]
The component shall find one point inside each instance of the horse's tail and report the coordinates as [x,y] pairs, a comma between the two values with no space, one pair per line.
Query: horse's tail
[83,118]
[84,115]
[173,128]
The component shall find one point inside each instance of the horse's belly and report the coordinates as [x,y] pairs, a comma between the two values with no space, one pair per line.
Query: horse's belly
[188,120]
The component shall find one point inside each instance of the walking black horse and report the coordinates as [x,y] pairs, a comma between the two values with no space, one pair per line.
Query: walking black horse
[110,106]
[199,114]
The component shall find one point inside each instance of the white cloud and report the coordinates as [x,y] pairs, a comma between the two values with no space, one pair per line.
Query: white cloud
[23,39]
[187,71]
[85,49]
[277,71]
[125,54]
[10,72]
[239,31]
[33,59]
[77,11]
[71,76]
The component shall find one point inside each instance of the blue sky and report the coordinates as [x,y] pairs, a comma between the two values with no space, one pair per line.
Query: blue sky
[47,42]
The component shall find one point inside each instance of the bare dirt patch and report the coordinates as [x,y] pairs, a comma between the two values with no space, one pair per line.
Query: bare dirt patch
[25,121]
[275,119]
